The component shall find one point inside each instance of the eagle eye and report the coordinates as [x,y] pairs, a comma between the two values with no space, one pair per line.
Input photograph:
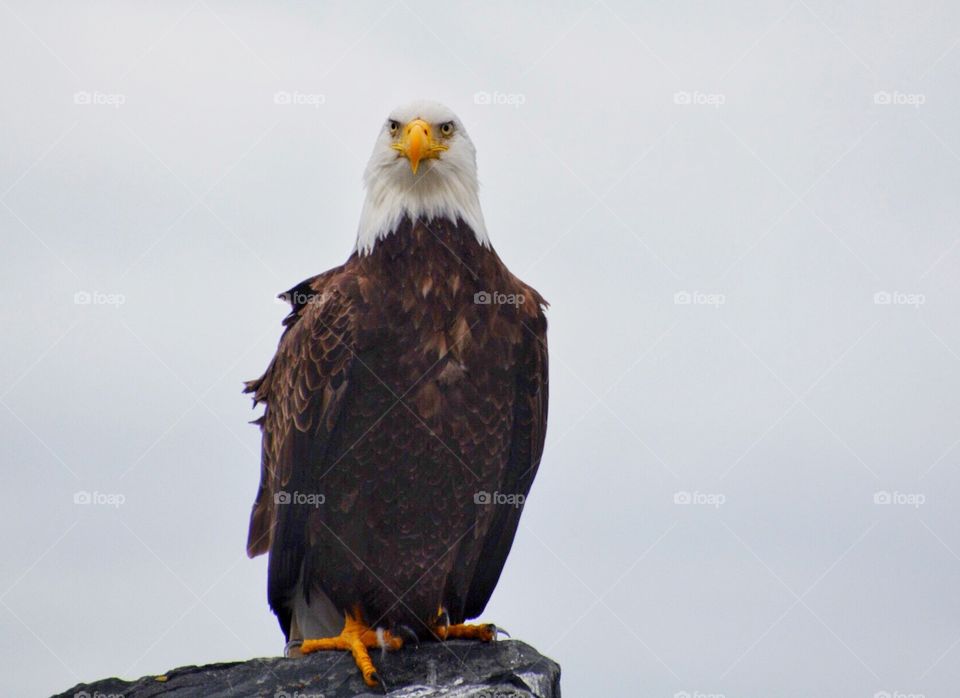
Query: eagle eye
[446,128]
[393,127]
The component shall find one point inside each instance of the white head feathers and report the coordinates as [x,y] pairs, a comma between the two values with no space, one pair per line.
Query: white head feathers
[444,186]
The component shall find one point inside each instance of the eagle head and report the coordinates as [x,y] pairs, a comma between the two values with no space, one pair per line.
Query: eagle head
[423,166]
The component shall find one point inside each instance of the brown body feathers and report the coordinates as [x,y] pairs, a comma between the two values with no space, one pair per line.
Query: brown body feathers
[404,424]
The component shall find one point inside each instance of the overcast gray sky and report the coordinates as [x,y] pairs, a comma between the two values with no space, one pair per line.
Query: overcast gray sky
[743,214]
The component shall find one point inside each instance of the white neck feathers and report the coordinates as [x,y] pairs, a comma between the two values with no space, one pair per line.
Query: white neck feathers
[429,197]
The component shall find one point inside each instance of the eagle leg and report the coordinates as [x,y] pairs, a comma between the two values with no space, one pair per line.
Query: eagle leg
[356,638]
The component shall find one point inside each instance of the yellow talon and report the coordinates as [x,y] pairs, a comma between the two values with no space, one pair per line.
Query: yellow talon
[442,629]
[467,631]
[356,637]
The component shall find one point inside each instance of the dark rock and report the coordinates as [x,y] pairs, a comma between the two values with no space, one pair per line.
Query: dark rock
[457,669]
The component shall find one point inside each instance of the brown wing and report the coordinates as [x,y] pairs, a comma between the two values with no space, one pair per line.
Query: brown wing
[529,431]
[303,388]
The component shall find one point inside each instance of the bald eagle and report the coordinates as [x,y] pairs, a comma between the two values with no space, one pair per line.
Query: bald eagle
[405,412]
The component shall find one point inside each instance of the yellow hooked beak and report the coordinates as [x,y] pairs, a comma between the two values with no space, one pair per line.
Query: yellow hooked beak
[417,143]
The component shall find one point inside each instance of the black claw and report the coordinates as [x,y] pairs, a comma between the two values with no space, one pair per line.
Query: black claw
[408,632]
[376,677]
[499,631]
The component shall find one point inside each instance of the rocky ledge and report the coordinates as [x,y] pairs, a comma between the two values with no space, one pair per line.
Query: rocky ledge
[457,669]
